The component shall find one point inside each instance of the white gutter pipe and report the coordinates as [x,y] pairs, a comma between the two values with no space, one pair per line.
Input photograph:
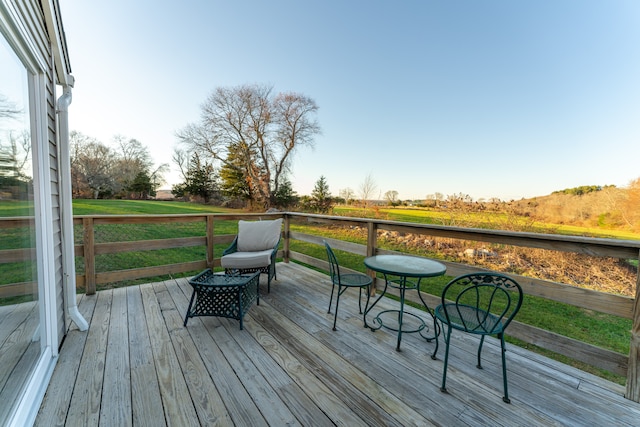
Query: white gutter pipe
[66,208]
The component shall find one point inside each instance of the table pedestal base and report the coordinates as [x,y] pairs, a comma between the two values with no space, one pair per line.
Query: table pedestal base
[398,325]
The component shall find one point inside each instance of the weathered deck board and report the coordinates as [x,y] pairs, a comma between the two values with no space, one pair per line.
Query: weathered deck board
[204,395]
[55,406]
[240,405]
[146,402]
[287,367]
[115,408]
[178,406]
[84,407]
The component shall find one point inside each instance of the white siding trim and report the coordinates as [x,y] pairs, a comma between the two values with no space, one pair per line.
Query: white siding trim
[18,37]
[43,209]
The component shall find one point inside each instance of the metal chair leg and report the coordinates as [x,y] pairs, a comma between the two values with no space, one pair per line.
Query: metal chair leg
[479,365]
[443,387]
[335,317]
[505,398]
[435,329]
[333,286]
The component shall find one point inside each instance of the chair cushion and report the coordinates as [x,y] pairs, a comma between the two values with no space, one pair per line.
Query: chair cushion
[242,260]
[258,235]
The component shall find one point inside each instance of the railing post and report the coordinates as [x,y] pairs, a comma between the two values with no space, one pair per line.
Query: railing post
[89,256]
[210,230]
[372,247]
[633,370]
[287,220]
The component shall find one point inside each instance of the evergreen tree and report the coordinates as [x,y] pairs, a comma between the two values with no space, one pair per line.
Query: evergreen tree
[142,186]
[234,179]
[285,197]
[201,179]
[321,196]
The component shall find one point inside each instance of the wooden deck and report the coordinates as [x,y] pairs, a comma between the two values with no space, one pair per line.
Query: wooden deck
[137,365]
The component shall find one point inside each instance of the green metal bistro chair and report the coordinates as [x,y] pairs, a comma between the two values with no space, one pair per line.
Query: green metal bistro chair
[482,304]
[344,282]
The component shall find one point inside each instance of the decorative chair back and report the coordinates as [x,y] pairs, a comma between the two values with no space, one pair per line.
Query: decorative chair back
[481,303]
[334,267]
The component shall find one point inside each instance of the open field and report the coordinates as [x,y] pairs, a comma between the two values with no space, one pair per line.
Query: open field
[492,220]
[412,214]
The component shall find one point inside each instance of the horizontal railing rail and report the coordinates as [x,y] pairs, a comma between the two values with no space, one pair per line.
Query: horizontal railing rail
[90,246]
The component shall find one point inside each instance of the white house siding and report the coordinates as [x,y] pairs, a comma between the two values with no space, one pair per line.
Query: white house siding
[55,203]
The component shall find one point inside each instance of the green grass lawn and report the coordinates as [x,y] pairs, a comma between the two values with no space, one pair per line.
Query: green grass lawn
[142,207]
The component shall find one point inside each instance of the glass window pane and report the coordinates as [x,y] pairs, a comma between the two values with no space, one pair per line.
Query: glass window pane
[19,314]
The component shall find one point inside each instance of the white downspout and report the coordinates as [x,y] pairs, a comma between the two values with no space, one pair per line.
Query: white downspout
[66,208]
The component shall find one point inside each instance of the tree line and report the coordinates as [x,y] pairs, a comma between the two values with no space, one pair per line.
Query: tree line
[124,171]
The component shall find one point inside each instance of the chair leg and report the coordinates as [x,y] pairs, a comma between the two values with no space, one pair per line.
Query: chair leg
[479,365]
[505,398]
[435,331]
[335,316]
[360,300]
[443,387]
[333,286]
[366,305]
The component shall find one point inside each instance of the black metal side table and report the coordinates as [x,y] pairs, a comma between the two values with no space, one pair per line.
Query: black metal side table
[223,295]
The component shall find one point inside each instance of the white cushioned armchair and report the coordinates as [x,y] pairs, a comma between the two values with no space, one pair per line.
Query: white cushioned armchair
[254,249]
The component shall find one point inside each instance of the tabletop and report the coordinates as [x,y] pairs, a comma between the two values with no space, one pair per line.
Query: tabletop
[404,265]
[209,278]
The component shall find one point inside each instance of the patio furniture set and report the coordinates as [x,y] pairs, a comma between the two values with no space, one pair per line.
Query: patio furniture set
[482,303]
[231,294]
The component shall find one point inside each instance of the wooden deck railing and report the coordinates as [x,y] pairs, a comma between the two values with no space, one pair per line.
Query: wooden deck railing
[88,248]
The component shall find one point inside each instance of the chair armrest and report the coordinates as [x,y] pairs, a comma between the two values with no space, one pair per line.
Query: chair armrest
[274,252]
[233,247]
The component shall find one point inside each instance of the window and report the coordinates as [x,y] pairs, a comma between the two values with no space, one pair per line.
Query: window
[21,348]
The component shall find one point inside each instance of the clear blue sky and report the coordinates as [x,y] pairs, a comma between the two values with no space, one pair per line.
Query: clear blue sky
[505,99]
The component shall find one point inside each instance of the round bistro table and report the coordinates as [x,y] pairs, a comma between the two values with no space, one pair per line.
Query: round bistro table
[404,273]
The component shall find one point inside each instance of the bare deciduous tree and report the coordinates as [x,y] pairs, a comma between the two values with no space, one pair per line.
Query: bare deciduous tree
[96,161]
[8,109]
[98,170]
[132,158]
[260,129]
[181,159]
[391,197]
[367,189]
[347,194]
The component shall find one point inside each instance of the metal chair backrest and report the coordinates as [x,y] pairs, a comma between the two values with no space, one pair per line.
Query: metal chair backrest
[334,267]
[481,303]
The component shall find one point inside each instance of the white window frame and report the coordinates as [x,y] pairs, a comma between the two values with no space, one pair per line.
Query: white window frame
[24,46]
